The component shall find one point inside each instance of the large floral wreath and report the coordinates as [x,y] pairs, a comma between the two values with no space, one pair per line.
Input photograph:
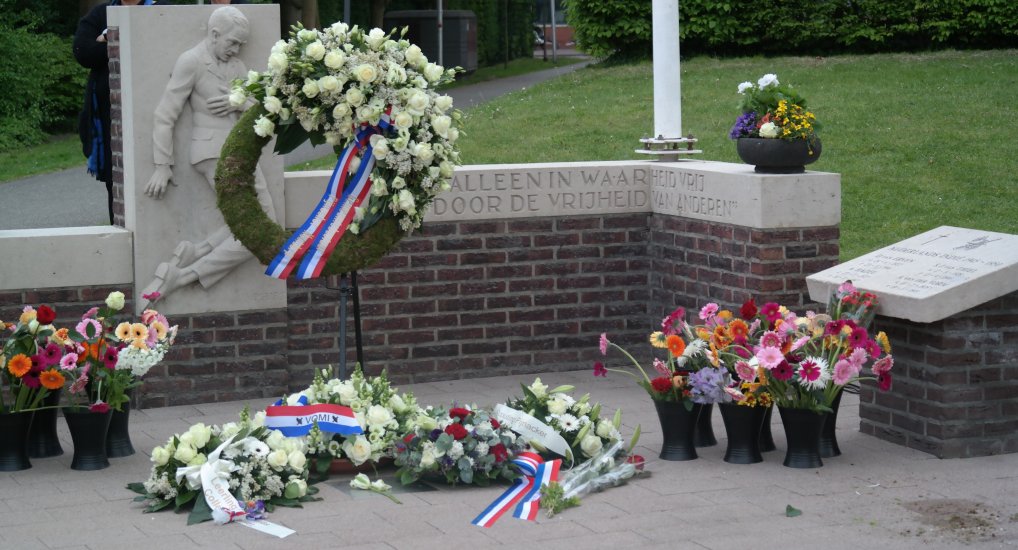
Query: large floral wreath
[369,96]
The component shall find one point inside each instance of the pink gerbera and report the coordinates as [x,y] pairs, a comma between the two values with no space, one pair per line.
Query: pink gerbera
[84,325]
[858,338]
[769,357]
[771,311]
[770,339]
[737,395]
[110,357]
[599,369]
[99,407]
[50,355]
[90,313]
[661,367]
[844,371]
[673,324]
[69,361]
[800,342]
[858,358]
[708,311]
[82,380]
[745,371]
[603,344]
[883,365]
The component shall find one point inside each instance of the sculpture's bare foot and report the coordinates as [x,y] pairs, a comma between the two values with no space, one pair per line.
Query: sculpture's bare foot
[187,253]
[165,281]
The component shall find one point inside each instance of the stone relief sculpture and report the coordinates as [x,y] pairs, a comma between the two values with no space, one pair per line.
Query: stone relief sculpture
[202,78]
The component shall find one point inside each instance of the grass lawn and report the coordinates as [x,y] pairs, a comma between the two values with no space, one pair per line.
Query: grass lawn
[920,140]
[515,67]
[60,152]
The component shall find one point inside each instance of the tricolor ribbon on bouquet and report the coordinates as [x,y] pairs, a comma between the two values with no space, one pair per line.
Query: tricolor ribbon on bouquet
[297,420]
[309,247]
[525,493]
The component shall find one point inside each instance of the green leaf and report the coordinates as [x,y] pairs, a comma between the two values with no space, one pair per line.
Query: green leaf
[406,477]
[158,505]
[290,137]
[791,511]
[288,502]
[444,442]
[185,497]
[634,440]
[200,513]
[467,476]
[617,421]
[140,498]
[137,487]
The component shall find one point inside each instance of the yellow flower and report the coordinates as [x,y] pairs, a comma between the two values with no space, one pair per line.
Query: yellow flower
[658,340]
[27,317]
[159,328]
[139,331]
[885,344]
[123,331]
[139,343]
[725,314]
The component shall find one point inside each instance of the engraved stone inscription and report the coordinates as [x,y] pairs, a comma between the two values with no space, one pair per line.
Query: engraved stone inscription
[691,194]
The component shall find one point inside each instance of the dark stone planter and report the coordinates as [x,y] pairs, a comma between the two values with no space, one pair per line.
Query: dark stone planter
[802,432]
[42,438]
[88,433]
[118,438]
[743,427]
[703,436]
[14,429]
[828,438]
[766,437]
[778,156]
[677,427]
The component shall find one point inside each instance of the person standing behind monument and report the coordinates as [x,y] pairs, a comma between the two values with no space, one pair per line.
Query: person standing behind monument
[89,49]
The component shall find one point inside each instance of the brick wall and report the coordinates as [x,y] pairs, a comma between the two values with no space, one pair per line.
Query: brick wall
[693,262]
[955,388]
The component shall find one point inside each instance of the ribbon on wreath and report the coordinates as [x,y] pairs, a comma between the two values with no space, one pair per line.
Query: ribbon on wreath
[297,420]
[309,247]
[525,493]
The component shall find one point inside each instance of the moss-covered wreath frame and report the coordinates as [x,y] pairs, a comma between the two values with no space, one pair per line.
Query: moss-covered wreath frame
[237,200]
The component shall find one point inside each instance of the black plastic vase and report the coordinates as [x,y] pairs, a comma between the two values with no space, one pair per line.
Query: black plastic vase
[743,427]
[118,438]
[88,433]
[766,437]
[42,438]
[14,428]
[677,427]
[828,437]
[802,432]
[703,436]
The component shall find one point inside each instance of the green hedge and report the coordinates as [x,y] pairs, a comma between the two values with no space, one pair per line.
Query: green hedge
[42,84]
[622,28]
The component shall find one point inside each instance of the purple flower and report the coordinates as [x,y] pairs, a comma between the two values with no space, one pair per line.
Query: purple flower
[434,434]
[744,126]
[708,385]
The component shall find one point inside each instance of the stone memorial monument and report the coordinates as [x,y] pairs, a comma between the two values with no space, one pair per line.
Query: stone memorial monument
[949,304]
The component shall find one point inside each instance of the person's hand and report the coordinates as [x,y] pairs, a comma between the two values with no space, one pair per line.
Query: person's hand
[101,38]
[160,179]
[220,105]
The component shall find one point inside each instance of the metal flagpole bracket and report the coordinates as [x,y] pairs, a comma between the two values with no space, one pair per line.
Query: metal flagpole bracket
[669,149]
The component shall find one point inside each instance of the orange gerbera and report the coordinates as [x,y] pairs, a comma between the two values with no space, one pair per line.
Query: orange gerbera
[51,380]
[738,328]
[703,333]
[720,339]
[91,351]
[675,345]
[19,365]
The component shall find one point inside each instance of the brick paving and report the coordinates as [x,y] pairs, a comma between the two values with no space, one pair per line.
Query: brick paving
[876,495]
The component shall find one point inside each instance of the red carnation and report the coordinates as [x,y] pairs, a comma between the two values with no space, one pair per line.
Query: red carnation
[408,438]
[748,310]
[459,412]
[636,460]
[495,424]
[45,315]
[661,384]
[499,452]
[457,431]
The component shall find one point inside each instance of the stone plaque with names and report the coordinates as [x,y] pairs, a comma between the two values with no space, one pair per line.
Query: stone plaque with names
[930,276]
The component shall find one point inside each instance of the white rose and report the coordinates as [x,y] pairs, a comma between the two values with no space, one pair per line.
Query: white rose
[296,489]
[405,201]
[454,134]
[427,458]
[414,56]
[237,97]
[379,188]
[278,62]
[424,153]
[358,450]
[339,27]
[279,47]
[365,72]
[604,428]
[590,445]
[310,88]
[341,111]
[229,429]
[769,130]
[398,182]
[375,38]
[433,72]
[275,440]
[418,102]
[307,34]
[273,104]
[402,119]
[296,459]
[186,438]
[557,406]
[378,415]
[277,459]
[354,96]
[766,80]
[441,124]
[446,169]
[201,434]
[328,83]
[198,460]
[443,103]
[381,149]
[115,300]
[160,456]
[334,59]
[264,127]
[185,453]
[745,86]
[315,50]
[395,75]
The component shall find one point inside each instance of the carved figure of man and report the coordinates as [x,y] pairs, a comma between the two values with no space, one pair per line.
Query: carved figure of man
[202,78]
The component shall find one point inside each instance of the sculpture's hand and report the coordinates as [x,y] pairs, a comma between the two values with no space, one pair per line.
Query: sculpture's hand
[220,105]
[158,182]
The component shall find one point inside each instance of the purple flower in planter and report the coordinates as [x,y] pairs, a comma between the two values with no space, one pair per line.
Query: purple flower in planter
[744,126]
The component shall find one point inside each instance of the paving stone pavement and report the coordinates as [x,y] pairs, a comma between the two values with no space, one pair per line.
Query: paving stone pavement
[876,495]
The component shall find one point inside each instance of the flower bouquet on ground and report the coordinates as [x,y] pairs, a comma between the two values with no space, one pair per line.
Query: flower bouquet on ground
[577,422]
[261,468]
[34,360]
[383,413]
[610,467]
[460,445]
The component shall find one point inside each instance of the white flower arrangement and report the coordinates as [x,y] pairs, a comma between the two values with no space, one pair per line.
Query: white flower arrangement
[259,464]
[326,85]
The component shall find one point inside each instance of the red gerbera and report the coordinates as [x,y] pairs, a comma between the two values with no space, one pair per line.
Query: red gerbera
[771,311]
[748,310]
[783,371]
[99,407]
[884,381]
[459,412]
[661,384]
[457,431]
[45,315]
[499,452]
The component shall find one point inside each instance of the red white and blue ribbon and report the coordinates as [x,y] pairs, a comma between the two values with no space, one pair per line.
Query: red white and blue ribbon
[525,493]
[295,421]
[309,247]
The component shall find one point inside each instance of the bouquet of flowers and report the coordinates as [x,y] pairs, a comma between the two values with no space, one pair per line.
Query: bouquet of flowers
[339,86]
[462,445]
[576,420]
[773,110]
[383,413]
[262,467]
[111,359]
[688,374]
[33,360]
[610,467]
